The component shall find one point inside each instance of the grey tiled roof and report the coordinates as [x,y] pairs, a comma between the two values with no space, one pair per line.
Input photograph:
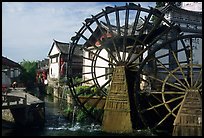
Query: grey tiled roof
[63,47]
[9,62]
[169,7]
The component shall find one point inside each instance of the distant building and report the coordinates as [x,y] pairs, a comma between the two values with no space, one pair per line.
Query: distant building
[192,6]
[10,72]
[58,57]
[189,20]
[42,72]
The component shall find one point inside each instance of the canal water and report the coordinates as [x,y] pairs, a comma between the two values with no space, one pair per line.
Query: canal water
[58,125]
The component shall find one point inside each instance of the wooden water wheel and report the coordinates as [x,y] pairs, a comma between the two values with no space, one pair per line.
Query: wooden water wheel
[172,72]
[116,37]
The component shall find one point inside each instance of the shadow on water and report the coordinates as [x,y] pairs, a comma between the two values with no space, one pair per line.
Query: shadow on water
[58,125]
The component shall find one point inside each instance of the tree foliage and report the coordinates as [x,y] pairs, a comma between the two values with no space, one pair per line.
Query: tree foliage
[28,72]
[159,4]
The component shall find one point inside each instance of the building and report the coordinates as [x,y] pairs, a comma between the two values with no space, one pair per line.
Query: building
[189,18]
[42,72]
[58,57]
[10,72]
[192,6]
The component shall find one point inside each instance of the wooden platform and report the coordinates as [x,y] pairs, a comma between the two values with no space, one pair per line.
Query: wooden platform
[18,98]
[23,108]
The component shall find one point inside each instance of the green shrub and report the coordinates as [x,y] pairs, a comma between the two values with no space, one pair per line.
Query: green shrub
[68,110]
[81,116]
[84,89]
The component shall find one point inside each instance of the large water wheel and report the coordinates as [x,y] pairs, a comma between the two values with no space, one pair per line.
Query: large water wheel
[118,39]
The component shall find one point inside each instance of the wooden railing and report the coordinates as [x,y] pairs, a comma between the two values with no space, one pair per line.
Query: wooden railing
[9,101]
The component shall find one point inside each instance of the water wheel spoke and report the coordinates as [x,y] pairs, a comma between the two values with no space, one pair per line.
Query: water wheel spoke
[99,56]
[168,92]
[96,103]
[138,55]
[180,62]
[98,92]
[170,73]
[132,50]
[181,70]
[176,51]
[105,84]
[198,78]
[157,113]
[175,108]
[167,30]
[136,21]
[125,33]
[85,90]
[146,22]
[102,31]
[199,86]
[162,104]
[87,40]
[174,92]
[156,97]
[110,53]
[79,74]
[154,28]
[163,120]
[111,31]
[92,32]
[79,83]
[170,113]
[117,21]
[168,83]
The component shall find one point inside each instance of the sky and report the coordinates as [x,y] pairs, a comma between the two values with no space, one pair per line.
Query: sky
[28,28]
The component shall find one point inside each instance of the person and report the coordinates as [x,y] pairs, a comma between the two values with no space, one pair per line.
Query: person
[14,84]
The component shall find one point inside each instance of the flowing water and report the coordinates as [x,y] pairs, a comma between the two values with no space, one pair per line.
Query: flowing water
[58,125]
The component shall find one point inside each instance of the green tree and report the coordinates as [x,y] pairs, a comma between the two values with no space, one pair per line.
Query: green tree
[159,4]
[28,73]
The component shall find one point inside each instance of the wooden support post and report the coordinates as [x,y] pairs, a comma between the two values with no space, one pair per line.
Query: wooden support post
[117,117]
[188,121]
[25,100]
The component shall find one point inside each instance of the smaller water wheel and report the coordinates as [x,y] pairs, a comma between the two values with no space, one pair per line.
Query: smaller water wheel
[171,72]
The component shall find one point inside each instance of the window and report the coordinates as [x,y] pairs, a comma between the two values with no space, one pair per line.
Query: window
[54,59]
